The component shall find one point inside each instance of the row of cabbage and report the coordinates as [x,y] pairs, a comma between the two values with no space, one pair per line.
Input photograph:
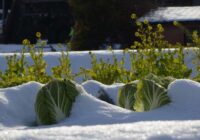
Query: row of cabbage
[55,100]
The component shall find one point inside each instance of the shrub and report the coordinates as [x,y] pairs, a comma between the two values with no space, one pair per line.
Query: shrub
[104,71]
[19,71]
[37,71]
[150,54]
[16,72]
[63,71]
[153,54]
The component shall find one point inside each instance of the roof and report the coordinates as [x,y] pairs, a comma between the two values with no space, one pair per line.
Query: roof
[169,14]
[36,1]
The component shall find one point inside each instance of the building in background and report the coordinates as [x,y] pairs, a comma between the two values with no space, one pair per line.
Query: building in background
[177,2]
[23,18]
[187,16]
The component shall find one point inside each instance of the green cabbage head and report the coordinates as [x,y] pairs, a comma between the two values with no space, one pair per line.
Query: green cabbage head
[126,95]
[54,101]
[150,95]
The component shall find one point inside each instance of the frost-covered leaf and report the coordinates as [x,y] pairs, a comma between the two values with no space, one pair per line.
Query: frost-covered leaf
[150,95]
[54,101]
[126,95]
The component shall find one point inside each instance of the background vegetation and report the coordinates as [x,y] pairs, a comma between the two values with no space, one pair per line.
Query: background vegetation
[100,22]
[151,54]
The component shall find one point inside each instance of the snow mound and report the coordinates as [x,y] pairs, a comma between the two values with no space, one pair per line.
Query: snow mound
[94,88]
[185,96]
[92,118]
[17,104]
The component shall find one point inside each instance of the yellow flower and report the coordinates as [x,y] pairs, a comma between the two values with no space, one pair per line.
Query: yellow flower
[133,16]
[136,44]
[138,23]
[150,28]
[25,42]
[146,21]
[38,34]
[175,23]
[137,34]
[160,28]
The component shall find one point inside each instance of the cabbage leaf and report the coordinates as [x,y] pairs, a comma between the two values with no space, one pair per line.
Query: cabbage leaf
[126,96]
[150,95]
[54,101]
[163,81]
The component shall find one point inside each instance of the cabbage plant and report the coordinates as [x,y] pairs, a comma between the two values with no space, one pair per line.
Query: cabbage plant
[150,95]
[163,81]
[54,101]
[126,95]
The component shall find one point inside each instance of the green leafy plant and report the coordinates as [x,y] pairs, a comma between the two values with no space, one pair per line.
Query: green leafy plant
[19,71]
[126,95]
[196,43]
[16,71]
[145,94]
[163,81]
[150,95]
[150,53]
[37,71]
[63,70]
[104,71]
[153,54]
[54,101]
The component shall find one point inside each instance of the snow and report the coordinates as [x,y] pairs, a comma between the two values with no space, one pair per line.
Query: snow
[94,119]
[170,14]
[173,130]
[17,104]
[94,87]
[185,94]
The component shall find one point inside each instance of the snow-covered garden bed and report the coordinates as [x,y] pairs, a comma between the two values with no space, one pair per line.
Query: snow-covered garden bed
[92,118]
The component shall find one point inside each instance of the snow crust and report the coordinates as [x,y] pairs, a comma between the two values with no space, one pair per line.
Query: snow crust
[170,14]
[94,119]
